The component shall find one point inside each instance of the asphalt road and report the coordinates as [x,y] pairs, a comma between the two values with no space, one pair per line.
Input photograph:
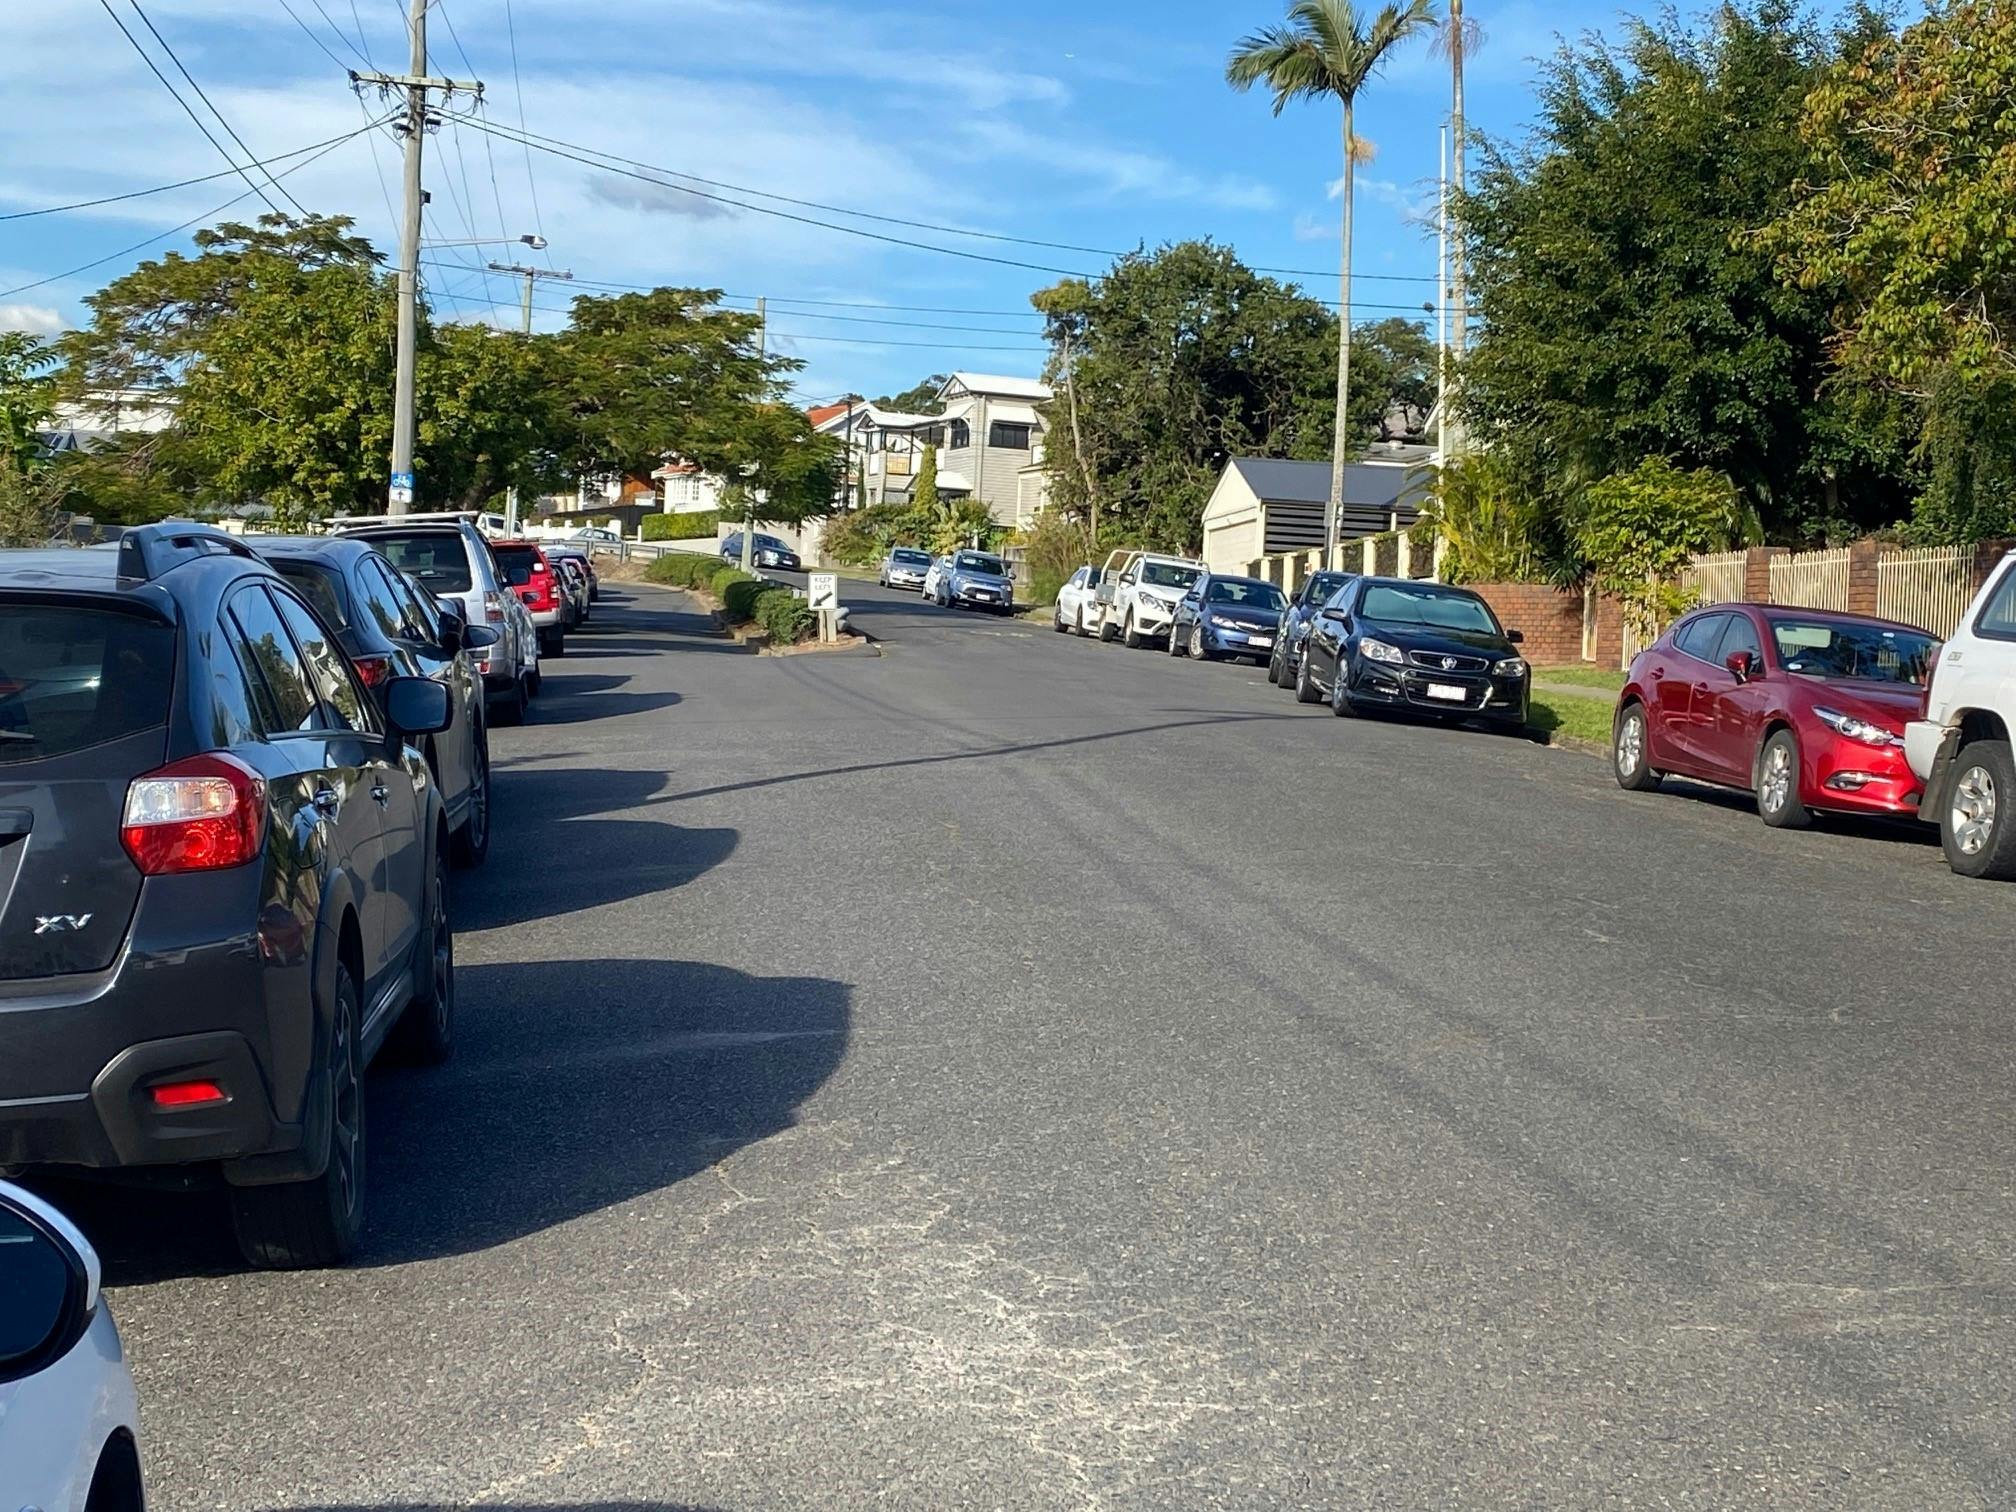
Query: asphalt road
[1009,1071]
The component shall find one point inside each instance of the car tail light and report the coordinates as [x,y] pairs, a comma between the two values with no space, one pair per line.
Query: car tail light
[187,1094]
[202,814]
[373,671]
[493,608]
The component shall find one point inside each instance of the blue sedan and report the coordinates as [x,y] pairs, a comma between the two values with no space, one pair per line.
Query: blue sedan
[1225,616]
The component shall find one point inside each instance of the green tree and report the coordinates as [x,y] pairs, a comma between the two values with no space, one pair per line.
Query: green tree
[919,399]
[27,398]
[1626,312]
[1182,359]
[1637,530]
[924,490]
[1327,50]
[1905,226]
[778,469]
[639,376]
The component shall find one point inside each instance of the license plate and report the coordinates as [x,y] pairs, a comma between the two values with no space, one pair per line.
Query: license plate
[1264,642]
[1449,691]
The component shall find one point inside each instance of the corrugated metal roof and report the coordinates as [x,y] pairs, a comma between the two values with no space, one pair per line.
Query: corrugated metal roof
[1366,484]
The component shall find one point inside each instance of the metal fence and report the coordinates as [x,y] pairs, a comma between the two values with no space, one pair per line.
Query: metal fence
[1929,587]
[1716,579]
[1811,579]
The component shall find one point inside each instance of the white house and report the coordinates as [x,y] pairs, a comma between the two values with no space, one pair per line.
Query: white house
[1262,506]
[991,432]
[883,446]
[686,488]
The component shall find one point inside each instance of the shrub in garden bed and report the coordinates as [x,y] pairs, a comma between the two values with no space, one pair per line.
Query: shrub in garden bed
[681,527]
[784,615]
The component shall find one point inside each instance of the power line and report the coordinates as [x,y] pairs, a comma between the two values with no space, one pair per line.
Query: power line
[229,129]
[935,346]
[518,90]
[309,31]
[206,178]
[99,262]
[186,110]
[549,143]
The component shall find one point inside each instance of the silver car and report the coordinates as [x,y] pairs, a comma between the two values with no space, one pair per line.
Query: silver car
[904,567]
[451,560]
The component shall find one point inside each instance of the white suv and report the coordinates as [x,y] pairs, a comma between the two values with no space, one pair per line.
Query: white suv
[1138,593]
[1961,748]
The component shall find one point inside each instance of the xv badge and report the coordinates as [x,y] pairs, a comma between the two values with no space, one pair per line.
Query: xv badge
[59,923]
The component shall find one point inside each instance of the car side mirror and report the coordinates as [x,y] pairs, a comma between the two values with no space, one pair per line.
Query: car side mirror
[1742,665]
[454,628]
[49,1275]
[1337,615]
[416,706]
[479,638]
[1515,638]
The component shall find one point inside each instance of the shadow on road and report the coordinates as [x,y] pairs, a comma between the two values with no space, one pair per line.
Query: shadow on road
[497,1506]
[577,1086]
[580,859]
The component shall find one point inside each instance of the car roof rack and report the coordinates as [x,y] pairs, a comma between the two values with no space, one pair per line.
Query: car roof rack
[147,551]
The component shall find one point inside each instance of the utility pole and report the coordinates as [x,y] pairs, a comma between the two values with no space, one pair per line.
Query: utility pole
[1078,440]
[416,83]
[749,509]
[1442,305]
[531,277]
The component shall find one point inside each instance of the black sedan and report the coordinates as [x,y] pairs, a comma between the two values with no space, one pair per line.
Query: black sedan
[1317,590]
[1226,616]
[1393,643]
[390,628]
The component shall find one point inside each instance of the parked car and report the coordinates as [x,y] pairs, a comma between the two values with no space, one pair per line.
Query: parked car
[1426,648]
[230,881]
[390,629]
[574,583]
[971,580]
[597,534]
[1078,601]
[1803,707]
[570,551]
[1317,590]
[69,1417]
[904,567]
[452,560]
[1138,592]
[767,551]
[1226,615]
[1960,747]
[543,592]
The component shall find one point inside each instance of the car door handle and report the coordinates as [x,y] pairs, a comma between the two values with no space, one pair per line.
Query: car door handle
[1657,673]
[328,800]
[381,792]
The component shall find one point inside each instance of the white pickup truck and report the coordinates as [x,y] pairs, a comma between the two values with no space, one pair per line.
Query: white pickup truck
[1138,594]
[1961,748]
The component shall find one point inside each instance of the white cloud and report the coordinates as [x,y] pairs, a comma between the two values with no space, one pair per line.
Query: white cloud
[1310,229]
[1108,170]
[1414,202]
[38,320]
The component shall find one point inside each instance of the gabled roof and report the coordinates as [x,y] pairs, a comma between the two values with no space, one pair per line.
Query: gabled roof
[819,414]
[994,384]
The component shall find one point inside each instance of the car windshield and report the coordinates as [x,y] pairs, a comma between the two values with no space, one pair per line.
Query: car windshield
[1168,575]
[437,558]
[1246,592]
[912,558]
[1845,649]
[75,678]
[979,561]
[1429,607]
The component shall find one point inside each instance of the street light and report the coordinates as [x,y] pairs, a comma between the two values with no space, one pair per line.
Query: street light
[536,243]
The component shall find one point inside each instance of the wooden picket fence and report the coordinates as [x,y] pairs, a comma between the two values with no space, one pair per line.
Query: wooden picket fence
[1929,587]
[1811,579]
[1716,579]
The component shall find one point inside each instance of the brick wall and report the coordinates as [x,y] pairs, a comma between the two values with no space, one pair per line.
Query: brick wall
[1549,618]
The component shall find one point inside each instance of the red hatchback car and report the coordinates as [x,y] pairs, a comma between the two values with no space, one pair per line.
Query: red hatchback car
[1803,707]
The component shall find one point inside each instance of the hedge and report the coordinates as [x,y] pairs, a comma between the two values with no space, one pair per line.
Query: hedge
[743,598]
[786,616]
[681,527]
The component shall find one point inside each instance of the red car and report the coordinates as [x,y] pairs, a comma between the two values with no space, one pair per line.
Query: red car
[1803,707]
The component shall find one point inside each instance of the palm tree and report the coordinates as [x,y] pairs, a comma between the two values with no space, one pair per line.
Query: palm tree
[1458,38]
[1328,49]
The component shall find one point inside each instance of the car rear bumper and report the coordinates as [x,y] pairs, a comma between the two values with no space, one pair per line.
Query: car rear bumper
[80,1055]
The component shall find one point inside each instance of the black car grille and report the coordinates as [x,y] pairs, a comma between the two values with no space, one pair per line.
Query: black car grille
[1440,661]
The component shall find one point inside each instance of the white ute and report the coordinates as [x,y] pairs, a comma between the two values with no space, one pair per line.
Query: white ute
[1961,748]
[1138,592]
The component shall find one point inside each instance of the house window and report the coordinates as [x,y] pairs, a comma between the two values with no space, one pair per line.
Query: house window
[1008,435]
[961,435]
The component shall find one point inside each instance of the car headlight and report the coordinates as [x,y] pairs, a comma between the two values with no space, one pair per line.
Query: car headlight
[1858,729]
[1510,666]
[1223,623]
[1379,651]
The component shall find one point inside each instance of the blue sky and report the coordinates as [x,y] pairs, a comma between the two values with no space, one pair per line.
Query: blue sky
[1099,124]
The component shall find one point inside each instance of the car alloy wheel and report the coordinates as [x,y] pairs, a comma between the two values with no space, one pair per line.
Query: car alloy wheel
[1628,755]
[1197,643]
[1778,801]
[1973,808]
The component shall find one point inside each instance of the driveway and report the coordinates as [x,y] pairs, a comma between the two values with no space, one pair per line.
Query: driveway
[1011,1071]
